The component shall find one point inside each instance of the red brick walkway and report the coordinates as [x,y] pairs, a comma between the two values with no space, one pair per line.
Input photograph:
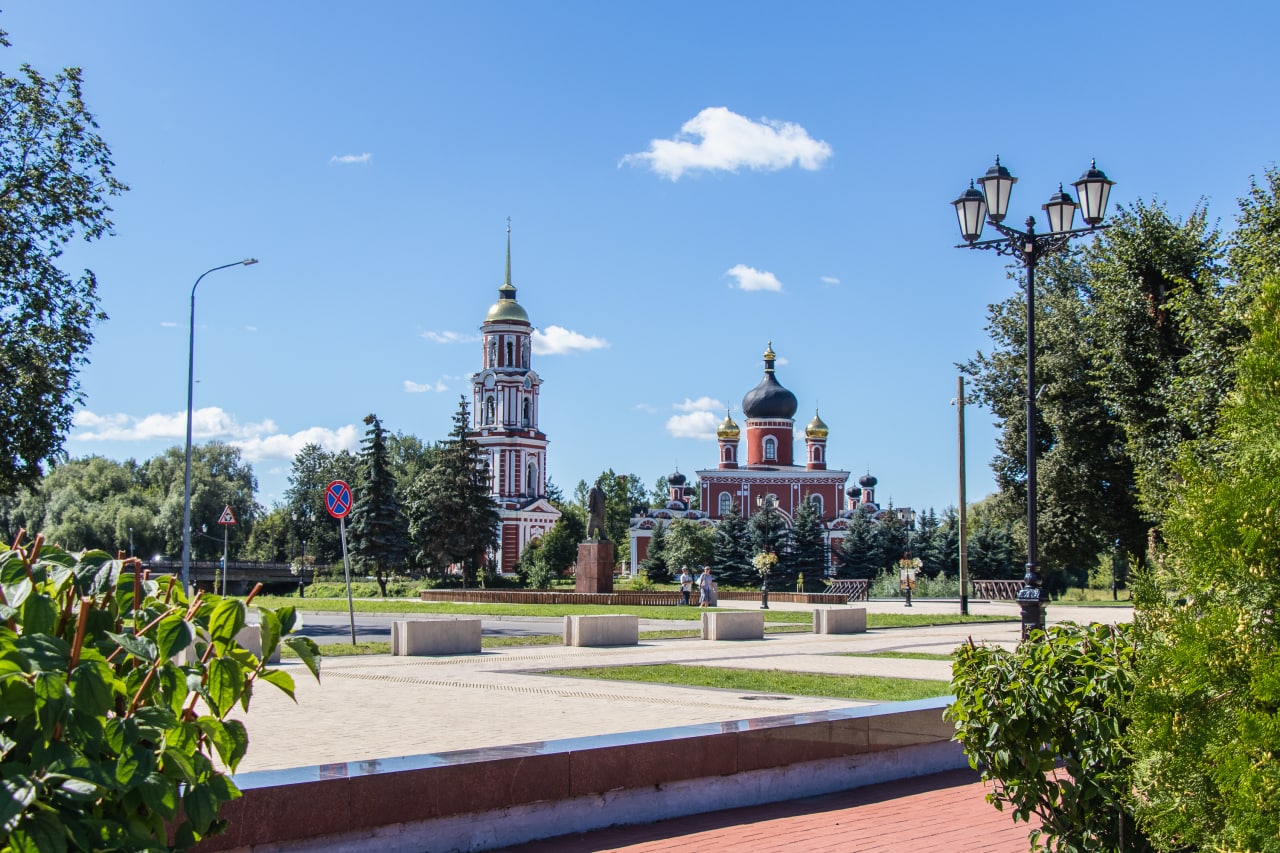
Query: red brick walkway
[942,813]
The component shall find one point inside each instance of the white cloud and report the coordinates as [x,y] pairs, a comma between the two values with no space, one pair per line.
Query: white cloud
[693,425]
[451,337]
[257,441]
[718,139]
[557,340]
[168,324]
[829,279]
[750,278]
[412,387]
[251,328]
[346,159]
[286,446]
[645,407]
[702,404]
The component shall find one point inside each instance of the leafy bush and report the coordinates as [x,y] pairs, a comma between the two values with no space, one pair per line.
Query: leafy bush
[364,589]
[886,585]
[1044,722]
[114,696]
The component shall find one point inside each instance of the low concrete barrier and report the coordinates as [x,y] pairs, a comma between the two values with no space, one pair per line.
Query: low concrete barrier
[499,796]
[733,625]
[250,637]
[435,637]
[608,630]
[840,621]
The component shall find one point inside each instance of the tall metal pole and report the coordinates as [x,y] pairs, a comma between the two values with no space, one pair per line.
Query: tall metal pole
[225,534]
[191,377]
[964,507]
[1031,596]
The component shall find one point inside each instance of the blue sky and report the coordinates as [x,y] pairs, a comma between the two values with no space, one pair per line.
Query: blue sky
[686,182]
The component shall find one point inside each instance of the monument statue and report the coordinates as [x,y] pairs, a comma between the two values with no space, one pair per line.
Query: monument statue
[595,512]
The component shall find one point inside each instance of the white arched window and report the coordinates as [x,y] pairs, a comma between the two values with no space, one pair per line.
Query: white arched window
[531,481]
[493,352]
[490,409]
[525,411]
[815,454]
[816,500]
[770,448]
[726,503]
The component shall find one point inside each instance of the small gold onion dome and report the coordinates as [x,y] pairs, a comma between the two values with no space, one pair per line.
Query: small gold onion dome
[816,428]
[769,354]
[506,309]
[728,430]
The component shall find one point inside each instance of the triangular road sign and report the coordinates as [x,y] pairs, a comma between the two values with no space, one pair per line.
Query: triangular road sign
[227,517]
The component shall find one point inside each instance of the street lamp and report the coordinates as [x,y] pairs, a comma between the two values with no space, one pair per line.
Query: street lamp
[991,203]
[131,543]
[191,374]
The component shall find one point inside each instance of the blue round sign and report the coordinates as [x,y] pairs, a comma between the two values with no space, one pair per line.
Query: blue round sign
[337,499]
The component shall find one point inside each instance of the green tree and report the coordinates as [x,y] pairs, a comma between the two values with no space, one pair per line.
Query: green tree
[661,492]
[560,544]
[379,533]
[689,545]
[313,469]
[219,478]
[655,564]
[452,518]
[892,538]
[272,538]
[806,551]
[731,554]
[859,557]
[55,180]
[622,492]
[1206,708]
[769,533]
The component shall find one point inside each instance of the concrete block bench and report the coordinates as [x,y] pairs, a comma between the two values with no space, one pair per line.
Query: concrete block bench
[840,621]
[733,625]
[608,630]
[435,637]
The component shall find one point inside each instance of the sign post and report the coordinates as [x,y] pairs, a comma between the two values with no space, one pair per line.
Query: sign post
[226,520]
[337,499]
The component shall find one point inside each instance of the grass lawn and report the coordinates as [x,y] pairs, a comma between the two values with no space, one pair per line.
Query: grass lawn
[867,688]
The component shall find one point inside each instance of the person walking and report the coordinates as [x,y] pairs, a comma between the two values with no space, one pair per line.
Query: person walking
[706,588]
[686,585]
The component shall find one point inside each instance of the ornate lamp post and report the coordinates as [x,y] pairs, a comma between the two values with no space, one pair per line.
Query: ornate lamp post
[191,376]
[990,204]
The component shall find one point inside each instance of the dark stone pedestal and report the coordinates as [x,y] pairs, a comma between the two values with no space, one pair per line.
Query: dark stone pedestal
[595,567]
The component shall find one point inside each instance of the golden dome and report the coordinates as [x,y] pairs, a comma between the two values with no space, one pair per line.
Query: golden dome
[728,430]
[506,309]
[816,428]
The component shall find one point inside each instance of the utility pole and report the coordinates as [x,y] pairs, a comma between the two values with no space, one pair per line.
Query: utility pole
[964,508]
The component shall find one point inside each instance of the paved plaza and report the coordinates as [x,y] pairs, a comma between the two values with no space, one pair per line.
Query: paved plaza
[380,707]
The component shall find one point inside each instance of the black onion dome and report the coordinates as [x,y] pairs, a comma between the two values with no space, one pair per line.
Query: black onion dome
[769,399]
[677,479]
[853,492]
[867,481]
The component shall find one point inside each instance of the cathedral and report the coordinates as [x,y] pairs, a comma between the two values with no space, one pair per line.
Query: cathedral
[768,476]
[504,423]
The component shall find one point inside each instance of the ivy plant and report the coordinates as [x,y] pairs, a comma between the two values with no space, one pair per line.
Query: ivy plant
[115,695]
[1044,724]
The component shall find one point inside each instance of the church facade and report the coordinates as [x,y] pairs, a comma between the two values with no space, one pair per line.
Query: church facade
[504,423]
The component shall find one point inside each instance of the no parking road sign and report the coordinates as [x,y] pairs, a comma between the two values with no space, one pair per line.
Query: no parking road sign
[337,499]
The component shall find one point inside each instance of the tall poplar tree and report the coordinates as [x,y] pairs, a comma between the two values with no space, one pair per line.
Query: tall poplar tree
[379,532]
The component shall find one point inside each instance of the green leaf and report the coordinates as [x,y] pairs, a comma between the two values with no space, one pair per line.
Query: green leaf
[288,616]
[226,680]
[17,792]
[91,688]
[201,807]
[159,794]
[138,647]
[307,650]
[39,615]
[173,634]
[42,833]
[227,619]
[17,593]
[226,741]
[12,569]
[269,631]
[280,679]
[239,736]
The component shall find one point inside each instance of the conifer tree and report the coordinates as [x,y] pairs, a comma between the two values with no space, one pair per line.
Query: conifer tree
[731,556]
[769,533]
[452,518]
[655,565]
[806,548]
[859,554]
[379,532]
